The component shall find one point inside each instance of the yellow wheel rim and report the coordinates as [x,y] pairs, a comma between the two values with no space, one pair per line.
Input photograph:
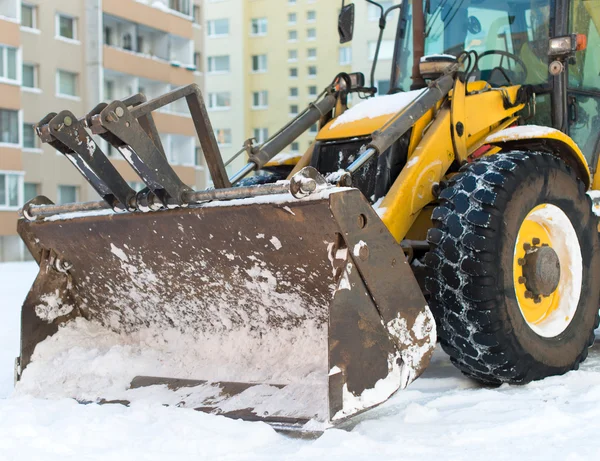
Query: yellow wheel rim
[548,314]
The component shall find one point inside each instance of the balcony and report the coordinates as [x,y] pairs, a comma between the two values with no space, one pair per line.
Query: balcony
[10,10]
[151,51]
[152,13]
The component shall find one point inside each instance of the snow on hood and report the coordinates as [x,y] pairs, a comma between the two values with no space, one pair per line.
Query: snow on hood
[378,106]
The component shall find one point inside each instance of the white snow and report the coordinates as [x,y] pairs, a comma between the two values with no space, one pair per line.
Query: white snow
[78,214]
[520,132]
[595,196]
[377,106]
[118,253]
[275,242]
[442,415]
[284,157]
[52,307]
[361,244]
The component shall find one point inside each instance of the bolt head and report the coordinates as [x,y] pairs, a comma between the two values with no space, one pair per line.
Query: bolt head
[522,280]
[527,246]
[537,300]
[521,261]
[119,111]
[68,121]
[535,241]
[528,294]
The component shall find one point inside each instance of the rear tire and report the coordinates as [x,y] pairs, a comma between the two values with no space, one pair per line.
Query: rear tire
[481,316]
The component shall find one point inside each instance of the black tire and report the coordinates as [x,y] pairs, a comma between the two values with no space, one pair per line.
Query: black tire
[470,281]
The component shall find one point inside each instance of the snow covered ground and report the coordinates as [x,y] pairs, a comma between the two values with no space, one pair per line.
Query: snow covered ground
[441,416]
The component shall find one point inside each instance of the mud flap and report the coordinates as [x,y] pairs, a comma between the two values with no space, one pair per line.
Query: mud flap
[270,309]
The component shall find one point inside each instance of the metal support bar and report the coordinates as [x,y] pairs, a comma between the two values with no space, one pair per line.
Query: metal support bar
[304,183]
[204,130]
[138,148]
[286,136]
[68,135]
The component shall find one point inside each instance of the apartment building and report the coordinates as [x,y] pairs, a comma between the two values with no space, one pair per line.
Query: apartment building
[266,60]
[67,54]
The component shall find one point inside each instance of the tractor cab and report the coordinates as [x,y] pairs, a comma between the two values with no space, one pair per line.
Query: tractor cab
[515,42]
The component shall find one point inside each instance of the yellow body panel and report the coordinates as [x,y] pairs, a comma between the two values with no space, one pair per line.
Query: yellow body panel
[412,190]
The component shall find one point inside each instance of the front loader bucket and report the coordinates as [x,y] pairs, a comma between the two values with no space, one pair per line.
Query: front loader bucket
[270,308]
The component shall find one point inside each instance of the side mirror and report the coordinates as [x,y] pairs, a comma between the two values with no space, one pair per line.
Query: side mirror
[346,23]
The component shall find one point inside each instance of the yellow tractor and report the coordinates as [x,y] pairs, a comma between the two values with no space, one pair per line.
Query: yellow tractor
[456,208]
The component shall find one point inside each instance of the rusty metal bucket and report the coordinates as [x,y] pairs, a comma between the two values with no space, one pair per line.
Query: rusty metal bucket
[300,313]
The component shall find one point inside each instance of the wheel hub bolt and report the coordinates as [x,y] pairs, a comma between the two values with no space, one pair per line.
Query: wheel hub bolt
[528,294]
[527,246]
[535,241]
[522,280]
[521,262]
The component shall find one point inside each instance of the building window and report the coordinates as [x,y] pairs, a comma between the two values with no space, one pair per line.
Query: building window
[9,126]
[218,27]
[197,60]
[311,53]
[259,63]
[179,149]
[29,16]
[261,135]
[345,56]
[10,189]
[108,36]
[8,63]
[29,136]
[127,42]
[293,72]
[66,26]
[292,35]
[67,194]
[109,90]
[311,16]
[374,12]
[260,99]
[294,109]
[292,19]
[312,90]
[182,6]
[258,26]
[295,147]
[314,129]
[292,55]
[223,136]
[29,76]
[196,14]
[311,34]
[30,191]
[217,64]
[291,2]
[66,83]
[386,50]
[293,92]
[312,71]
[219,101]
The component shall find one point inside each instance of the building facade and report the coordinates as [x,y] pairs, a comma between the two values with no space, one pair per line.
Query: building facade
[266,60]
[66,54]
